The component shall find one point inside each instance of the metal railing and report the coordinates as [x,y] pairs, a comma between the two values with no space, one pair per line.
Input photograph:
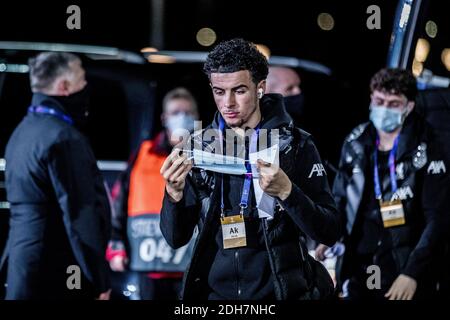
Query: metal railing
[94,52]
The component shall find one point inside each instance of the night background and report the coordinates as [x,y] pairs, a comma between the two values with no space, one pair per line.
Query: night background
[126,97]
[288,28]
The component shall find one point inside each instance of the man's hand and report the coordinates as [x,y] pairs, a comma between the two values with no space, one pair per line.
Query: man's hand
[118,263]
[403,288]
[174,171]
[273,180]
[105,295]
[320,252]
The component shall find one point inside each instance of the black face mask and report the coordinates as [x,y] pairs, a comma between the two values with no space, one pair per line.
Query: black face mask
[295,106]
[76,105]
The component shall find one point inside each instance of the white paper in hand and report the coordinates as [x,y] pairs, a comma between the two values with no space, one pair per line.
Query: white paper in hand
[264,202]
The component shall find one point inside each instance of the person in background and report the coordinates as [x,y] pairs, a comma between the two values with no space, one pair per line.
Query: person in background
[286,81]
[60,212]
[391,192]
[136,242]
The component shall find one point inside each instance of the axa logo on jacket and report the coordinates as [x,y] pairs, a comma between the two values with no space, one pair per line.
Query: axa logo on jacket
[403,193]
[318,170]
[436,167]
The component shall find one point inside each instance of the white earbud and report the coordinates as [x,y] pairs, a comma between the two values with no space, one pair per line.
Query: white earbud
[260,93]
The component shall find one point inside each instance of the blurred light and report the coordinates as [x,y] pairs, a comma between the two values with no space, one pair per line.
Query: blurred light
[4,205]
[431,29]
[14,68]
[131,288]
[264,50]
[404,16]
[23,68]
[417,68]
[149,50]
[325,21]
[206,37]
[445,57]
[422,50]
[126,293]
[160,58]
[129,291]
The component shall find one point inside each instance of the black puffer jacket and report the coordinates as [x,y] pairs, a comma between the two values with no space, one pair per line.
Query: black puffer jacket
[309,209]
[422,181]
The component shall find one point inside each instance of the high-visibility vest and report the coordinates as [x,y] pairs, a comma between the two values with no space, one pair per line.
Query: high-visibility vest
[145,197]
[146,189]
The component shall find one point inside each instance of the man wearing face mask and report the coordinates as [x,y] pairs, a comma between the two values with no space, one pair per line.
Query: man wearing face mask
[138,197]
[60,213]
[390,189]
[285,81]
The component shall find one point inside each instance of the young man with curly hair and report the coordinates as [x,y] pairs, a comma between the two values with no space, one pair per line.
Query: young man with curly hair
[240,252]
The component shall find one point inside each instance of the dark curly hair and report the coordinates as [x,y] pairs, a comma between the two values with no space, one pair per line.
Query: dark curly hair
[236,55]
[395,81]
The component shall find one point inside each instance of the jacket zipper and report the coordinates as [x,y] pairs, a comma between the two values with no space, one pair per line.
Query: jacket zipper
[266,239]
[236,257]
[208,216]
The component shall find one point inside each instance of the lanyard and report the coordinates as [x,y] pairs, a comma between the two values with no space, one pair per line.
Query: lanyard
[248,176]
[391,162]
[50,111]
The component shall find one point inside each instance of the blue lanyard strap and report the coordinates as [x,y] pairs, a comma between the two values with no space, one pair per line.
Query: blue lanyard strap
[50,111]
[376,176]
[248,176]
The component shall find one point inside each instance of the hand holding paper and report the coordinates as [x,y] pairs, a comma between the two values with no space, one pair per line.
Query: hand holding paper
[265,202]
[269,180]
[174,171]
[273,180]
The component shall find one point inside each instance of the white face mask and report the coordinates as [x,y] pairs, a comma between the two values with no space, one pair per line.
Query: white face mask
[180,121]
[219,163]
[233,165]
[386,119]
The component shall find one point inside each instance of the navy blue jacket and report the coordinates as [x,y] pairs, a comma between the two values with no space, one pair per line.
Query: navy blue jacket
[60,213]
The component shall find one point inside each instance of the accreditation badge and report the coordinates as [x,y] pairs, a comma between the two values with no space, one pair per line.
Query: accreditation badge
[392,213]
[233,231]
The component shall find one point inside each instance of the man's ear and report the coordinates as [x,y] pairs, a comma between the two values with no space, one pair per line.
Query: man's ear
[261,88]
[262,85]
[62,87]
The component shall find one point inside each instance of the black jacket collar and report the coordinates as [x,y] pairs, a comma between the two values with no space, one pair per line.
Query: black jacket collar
[40,99]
